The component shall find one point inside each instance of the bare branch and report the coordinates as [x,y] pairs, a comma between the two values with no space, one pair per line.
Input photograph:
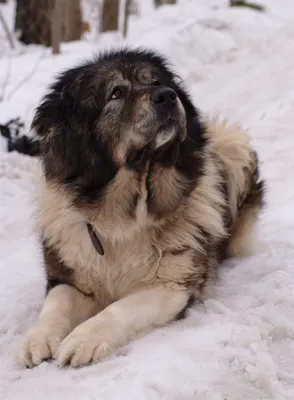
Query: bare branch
[6,79]
[8,34]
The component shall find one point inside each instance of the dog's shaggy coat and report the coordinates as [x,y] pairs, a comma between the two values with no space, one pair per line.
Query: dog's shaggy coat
[139,202]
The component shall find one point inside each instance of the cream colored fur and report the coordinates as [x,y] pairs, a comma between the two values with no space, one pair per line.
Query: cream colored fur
[137,285]
[232,144]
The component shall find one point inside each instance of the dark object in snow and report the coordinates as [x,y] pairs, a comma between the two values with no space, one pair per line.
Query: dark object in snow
[11,128]
[243,3]
[22,144]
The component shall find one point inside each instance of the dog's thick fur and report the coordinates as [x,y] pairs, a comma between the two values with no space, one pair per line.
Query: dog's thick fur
[168,194]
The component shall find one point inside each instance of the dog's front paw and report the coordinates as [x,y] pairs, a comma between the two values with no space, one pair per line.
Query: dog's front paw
[40,343]
[88,343]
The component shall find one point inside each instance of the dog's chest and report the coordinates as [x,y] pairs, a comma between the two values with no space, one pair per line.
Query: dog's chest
[130,258]
[124,266]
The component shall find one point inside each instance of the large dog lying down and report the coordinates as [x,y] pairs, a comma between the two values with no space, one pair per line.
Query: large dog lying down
[140,201]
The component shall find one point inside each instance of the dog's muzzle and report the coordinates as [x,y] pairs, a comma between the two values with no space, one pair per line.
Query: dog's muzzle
[166,103]
[164,97]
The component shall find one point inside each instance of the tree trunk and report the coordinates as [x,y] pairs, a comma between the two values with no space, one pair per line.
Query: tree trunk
[159,3]
[110,13]
[72,21]
[18,16]
[56,30]
[34,19]
[126,17]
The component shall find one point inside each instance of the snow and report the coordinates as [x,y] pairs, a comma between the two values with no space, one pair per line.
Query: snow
[240,344]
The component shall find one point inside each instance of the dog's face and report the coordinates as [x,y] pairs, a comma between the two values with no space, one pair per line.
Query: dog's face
[139,109]
[124,109]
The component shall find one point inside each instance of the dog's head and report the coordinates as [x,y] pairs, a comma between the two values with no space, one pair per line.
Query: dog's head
[121,110]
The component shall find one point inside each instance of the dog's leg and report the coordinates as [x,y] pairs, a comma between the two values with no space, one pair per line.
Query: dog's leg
[64,308]
[120,322]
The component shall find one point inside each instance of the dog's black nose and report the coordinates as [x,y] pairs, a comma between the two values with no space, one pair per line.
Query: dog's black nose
[164,96]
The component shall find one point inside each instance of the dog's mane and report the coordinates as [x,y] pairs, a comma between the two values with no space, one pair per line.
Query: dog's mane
[84,163]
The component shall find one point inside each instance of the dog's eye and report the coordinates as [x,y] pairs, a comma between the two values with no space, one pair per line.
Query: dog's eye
[117,93]
[156,83]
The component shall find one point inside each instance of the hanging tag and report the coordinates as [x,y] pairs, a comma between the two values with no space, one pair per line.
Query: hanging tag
[95,241]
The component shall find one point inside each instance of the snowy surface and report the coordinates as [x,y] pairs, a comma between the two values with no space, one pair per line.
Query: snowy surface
[240,344]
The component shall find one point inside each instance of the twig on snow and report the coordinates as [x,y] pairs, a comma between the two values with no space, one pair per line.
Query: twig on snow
[244,3]
[28,77]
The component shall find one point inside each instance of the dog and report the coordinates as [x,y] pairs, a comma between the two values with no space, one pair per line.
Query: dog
[140,200]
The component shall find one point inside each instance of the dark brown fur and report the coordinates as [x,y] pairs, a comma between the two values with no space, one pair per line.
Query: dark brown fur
[56,271]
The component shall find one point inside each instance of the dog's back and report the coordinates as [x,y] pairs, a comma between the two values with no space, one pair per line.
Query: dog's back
[230,145]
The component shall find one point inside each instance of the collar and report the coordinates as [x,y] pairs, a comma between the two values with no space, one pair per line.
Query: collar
[94,239]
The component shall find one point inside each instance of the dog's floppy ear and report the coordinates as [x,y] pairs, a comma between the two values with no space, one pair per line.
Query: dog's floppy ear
[55,108]
[49,126]
[71,148]
[45,117]
[57,105]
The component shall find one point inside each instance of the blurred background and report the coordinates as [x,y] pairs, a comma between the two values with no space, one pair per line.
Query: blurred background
[38,38]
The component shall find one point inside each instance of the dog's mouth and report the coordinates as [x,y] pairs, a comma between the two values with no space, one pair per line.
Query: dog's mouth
[166,154]
[163,145]
[164,148]
[165,136]
[170,130]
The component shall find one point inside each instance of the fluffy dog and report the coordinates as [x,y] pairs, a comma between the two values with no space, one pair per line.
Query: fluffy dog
[140,200]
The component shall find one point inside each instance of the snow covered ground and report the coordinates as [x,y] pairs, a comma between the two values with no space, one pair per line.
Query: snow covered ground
[240,344]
